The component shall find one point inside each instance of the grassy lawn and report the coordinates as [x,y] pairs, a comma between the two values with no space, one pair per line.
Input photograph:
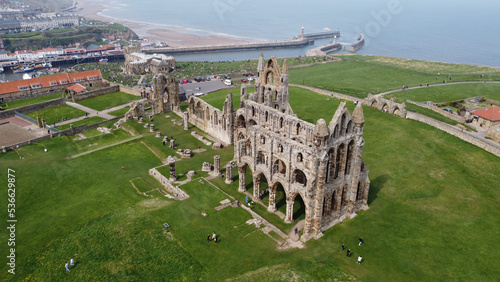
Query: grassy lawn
[30,101]
[426,66]
[119,112]
[108,101]
[434,212]
[447,93]
[87,121]
[355,77]
[52,115]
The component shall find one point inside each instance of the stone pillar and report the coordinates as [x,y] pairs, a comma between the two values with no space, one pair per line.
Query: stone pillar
[151,128]
[242,178]
[256,189]
[272,201]
[43,123]
[186,120]
[317,218]
[229,173]
[216,165]
[172,172]
[289,211]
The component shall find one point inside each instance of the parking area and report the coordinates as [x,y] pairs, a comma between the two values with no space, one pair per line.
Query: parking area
[204,87]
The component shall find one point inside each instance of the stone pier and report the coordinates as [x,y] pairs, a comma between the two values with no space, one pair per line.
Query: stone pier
[229,173]
[216,165]
[172,172]
[186,120]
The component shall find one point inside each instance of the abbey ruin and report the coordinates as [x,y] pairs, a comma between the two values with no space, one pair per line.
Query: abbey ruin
[320,163]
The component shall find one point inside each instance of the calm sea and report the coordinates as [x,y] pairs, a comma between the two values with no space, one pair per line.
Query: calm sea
[458,31]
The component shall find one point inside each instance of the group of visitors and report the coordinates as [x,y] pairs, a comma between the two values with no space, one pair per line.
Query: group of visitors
[349,253]
[68,264]
[214,237]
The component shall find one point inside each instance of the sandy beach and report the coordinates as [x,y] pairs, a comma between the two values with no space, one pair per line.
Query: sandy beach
[174,38]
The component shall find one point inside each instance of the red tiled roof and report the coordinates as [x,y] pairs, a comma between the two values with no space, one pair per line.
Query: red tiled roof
[491,113]
[44,81]
[84,74]
[77,88]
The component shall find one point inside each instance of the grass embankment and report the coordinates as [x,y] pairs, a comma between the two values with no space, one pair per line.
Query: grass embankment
[355,76]
[433,208]
[108,101]
[30,101]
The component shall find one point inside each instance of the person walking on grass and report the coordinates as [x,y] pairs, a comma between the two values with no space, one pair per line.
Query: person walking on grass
[360,241]
[71,262]
[67,266]
[349,253]
[359,259]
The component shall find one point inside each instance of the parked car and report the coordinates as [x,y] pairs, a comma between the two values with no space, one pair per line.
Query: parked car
[447,110]
[227,76]
[184,81]
[228,82]
[250,74]
[245,74]
[244,80]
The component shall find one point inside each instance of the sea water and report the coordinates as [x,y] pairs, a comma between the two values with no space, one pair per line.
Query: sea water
[458,31]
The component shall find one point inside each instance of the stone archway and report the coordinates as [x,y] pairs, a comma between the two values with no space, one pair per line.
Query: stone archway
[277,197]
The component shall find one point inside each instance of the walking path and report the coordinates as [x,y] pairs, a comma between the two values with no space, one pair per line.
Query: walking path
[105,147]
[91,112]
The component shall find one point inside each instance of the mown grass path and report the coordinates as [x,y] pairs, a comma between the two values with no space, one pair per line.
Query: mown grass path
[105,147]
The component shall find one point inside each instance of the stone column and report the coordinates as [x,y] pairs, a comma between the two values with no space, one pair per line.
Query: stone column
[172,172]
[256,189]
[242,179]
[229,173]
[272,201]
[44,124]
[289,211]
[216,165]
[151,128]
[186,120]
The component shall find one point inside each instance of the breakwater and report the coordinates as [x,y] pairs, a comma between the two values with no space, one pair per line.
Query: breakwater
[296,42]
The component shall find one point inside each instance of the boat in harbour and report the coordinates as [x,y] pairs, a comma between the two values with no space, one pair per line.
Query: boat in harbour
[23,68]
[103,60]
[43,66]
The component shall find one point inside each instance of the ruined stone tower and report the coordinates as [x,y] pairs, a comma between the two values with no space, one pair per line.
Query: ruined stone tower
[322,163]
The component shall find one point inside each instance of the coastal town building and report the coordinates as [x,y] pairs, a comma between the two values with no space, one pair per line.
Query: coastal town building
[13,21]
[45,85]
[488,118]
[139,63]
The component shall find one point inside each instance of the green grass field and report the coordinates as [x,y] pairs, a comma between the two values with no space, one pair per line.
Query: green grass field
[87,121]
[52,115]
[434,212]
[108,101]
[355,77]
[119,112]
[450,92]
[30,101]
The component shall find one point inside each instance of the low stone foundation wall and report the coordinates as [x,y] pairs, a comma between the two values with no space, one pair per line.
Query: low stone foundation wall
[440,111]
[33,108]
[455,131]
[95,93]
[175,191]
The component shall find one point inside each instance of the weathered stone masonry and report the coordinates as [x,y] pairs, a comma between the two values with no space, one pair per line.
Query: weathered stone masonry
[321,163]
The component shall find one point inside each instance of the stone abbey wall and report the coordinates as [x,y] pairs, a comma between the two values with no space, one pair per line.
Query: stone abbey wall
[322,163]
[213,121]
[385,105]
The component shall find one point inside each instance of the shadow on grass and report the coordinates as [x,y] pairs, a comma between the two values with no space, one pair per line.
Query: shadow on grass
[376,185]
